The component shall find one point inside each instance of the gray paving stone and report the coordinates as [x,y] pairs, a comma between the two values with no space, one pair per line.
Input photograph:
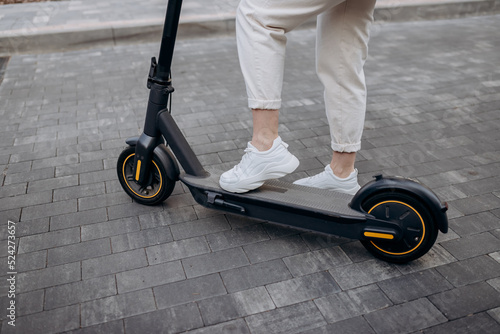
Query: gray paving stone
[32,227]
[117,307]
[60,160]
[465,300]
[437,256]
[303,288]
[476,204]
[77,168]
[80,291]
[79,191]
[16,168]
[237,237]
[44,278]
[81,148]
[352,303]
[103,200]
[495,283]
[179,201]
[177,250]
[276,231]
[189,290]
[255,275]
[236,305]
[129,210]
[238,326]
[22,200]
[291,319]
[49,209]
[29,303]
[78,219]
[109,228]
[48,240]
[414,286]
[13,190]
[476,323]
[478,187]
[473,245]
[274,249]
[402,319]
[53,321]
[469,271]
[114,263]
[115,327]
[97,176]
[167,217]
[173,320]
[319,260]
[78,251]
[27,156]
[353,325]
[356,251]
[475,223]
[149,276]
[145,238]
[31,261]
[199,227]
[363,273]
[495,313]
[317,241]
[209,263]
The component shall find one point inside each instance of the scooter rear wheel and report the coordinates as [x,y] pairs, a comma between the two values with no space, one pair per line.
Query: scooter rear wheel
[419,228]
[158,187]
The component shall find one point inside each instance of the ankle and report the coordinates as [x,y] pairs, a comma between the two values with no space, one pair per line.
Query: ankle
[265,128]
[263,142]
[342,172]
[342,164]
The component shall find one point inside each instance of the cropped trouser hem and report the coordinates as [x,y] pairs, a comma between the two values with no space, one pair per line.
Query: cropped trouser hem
[347,148]
[264,104]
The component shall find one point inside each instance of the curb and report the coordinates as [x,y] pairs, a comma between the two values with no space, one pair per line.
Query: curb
[66,38]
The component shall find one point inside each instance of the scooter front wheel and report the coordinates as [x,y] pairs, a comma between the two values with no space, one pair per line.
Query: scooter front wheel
[419,228]
[158,187]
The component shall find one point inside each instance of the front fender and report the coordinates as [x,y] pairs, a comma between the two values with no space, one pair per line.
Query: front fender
[398,184]
[164,155]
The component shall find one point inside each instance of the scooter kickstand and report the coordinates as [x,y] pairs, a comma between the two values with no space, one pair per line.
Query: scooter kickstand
[214,199]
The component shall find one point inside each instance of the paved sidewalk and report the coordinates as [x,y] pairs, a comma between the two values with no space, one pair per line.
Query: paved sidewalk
[67,25]
[91,261]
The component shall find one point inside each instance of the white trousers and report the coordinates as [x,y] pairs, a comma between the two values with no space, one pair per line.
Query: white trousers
[341,50]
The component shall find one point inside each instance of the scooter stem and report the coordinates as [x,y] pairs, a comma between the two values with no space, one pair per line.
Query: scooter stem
[160,87]
[168,40]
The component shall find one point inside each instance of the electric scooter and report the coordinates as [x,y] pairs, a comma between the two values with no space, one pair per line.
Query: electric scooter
[396,219]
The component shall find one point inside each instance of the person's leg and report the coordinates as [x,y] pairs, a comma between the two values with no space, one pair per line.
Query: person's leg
[345,30]
[261,27]
[342,48]
[265,128]
[342,163]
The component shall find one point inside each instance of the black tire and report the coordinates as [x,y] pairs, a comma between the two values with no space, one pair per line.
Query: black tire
[419,228]
[159,186]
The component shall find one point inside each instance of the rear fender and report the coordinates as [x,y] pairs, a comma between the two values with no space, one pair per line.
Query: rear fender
[401,185]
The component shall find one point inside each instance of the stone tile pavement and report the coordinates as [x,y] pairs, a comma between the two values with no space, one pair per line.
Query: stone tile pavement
[89,260]
[76,24]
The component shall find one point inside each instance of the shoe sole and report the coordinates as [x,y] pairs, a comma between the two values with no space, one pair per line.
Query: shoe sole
[351,191]
[276,171]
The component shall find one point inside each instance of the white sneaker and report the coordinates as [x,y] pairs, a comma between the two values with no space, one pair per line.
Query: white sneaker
[256,167]
[328,180]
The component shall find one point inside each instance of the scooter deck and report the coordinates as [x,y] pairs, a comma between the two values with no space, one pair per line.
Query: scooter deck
[284,194]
